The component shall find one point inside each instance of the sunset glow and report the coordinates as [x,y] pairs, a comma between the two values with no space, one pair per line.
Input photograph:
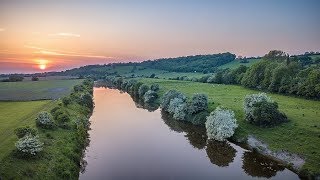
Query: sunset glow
[42,64]
[101,32]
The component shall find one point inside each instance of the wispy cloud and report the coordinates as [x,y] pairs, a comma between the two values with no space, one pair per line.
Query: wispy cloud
[2,29]
[64,53]
[65,34]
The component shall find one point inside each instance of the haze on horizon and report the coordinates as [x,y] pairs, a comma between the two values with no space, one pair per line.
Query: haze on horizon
[44,35]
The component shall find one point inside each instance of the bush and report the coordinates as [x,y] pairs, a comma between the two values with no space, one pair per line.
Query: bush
[44,120]
[62,118]
[34,78]
[142,90]
[29,145]
[78,88]
[168,96]
[262,111]
[150,96]
[66,101]
[22,131]
[178,108]
[199,102]
[266,114]
[221,124]
[86,100]
[154,87]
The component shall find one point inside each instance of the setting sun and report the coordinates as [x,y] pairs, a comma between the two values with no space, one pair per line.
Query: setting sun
[42,64]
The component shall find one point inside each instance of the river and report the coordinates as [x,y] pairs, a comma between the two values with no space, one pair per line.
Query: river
[130,142]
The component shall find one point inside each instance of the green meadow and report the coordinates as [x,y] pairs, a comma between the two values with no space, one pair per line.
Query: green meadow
[300,135]
[61,154]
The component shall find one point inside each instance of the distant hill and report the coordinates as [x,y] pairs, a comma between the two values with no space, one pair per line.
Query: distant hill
[197,63]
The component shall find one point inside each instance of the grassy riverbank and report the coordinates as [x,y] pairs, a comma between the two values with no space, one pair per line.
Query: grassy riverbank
[63,145]
[301,135]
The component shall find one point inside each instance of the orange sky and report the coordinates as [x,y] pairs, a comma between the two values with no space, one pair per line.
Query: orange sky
[64,34]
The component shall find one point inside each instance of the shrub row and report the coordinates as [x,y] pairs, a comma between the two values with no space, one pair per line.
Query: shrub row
[73,115]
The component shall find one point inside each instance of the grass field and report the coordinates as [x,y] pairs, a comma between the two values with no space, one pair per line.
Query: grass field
[61,154]
[17,114]
[301,135]
[36,90]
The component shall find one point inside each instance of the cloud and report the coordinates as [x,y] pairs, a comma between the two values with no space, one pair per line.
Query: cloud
[65,34]
[2,29]
[64,53]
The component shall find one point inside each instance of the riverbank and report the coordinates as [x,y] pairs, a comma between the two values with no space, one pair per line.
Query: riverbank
[63,145]
[299,136]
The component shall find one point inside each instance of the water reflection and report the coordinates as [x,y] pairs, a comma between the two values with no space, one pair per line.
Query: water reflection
[196,135]
[257,165]
[128,142]
[141,104]
[220,153]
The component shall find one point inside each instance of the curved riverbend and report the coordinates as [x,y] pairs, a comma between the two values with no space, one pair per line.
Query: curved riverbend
[128,142]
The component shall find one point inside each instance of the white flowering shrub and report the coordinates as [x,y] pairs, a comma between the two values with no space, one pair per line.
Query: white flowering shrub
[168,96]
[180,112]
[150,96]
[199,102]
[29,145]
[221,124]
[178,108]
[44,120]
[251,100]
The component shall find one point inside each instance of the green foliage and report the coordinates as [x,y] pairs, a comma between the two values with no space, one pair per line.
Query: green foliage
[14,78]
[78,88]
[198,118]
[199,102]
[198,63]
[66,101]
[150,96]
[168,96]
[143,89]
[22,131]
[262,111]
[44,120]
[155,87]
[266,114]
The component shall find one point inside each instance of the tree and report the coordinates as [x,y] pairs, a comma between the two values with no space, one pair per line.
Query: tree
[143,89]
[199,102]
[262,111]
[150,96]
[221,124]
[276,55]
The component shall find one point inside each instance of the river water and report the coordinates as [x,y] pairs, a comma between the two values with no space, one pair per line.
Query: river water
[130,142]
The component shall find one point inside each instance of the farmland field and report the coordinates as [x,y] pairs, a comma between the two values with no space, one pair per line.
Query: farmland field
[36,90]
[301,135]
